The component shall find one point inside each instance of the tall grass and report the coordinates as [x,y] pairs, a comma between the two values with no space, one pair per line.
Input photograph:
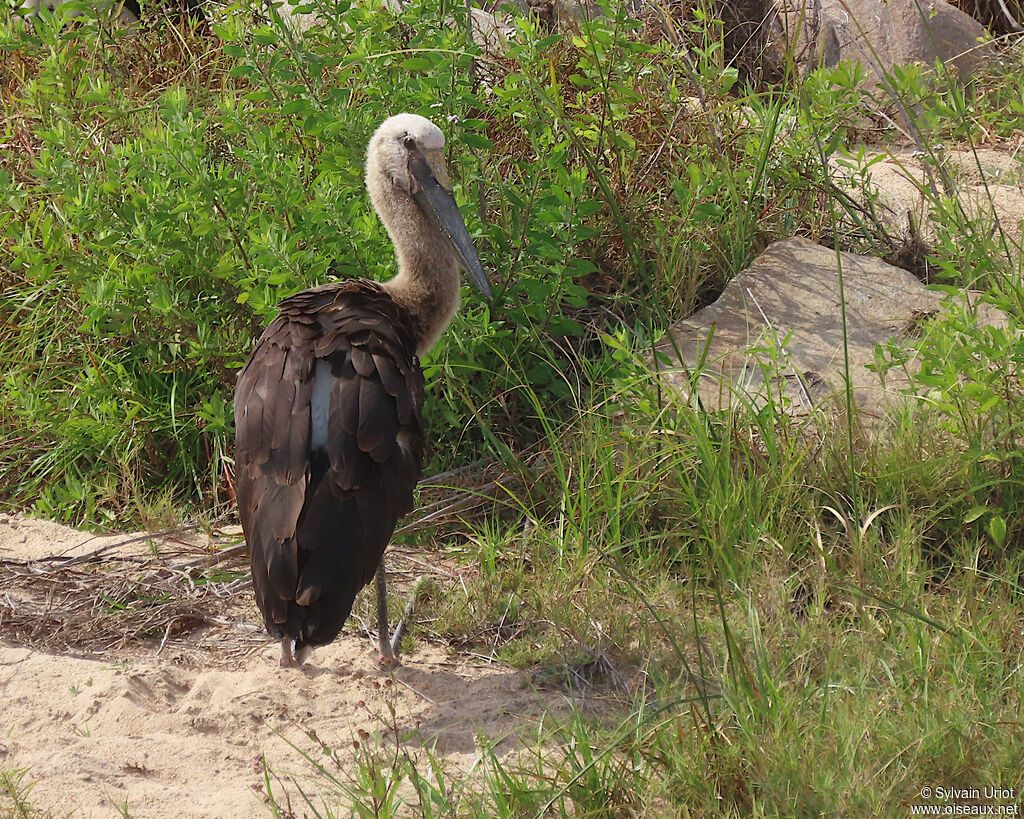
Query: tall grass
[759,644]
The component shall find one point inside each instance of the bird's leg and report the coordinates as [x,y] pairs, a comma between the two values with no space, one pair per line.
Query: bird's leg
[292,657]
[388,653]
[288,653]
[410,608]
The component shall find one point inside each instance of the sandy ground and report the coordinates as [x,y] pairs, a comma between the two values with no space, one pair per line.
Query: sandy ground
[988,181]
[179,725]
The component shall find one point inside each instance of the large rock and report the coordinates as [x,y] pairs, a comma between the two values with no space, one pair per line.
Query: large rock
[126,12]
[490,32]
[760,34]
[896,188]
[880,34]
[777,333]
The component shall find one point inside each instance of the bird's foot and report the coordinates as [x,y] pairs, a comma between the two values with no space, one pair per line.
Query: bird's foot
[292,657]
[389,648]
[387,656]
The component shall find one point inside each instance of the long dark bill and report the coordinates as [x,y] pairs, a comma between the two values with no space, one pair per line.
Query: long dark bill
[439,204]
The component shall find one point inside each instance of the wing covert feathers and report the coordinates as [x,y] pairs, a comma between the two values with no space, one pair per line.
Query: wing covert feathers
[317,522]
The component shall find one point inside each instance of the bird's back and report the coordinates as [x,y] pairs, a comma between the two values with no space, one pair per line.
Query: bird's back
[329,447]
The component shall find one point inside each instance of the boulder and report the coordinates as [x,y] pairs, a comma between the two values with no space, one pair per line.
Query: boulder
[776,333]
[126,12]
[896,187]
[880,34]
[490,32]
[759,34]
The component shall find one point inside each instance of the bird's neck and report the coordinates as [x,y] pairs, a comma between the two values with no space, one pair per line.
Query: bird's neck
[427,284]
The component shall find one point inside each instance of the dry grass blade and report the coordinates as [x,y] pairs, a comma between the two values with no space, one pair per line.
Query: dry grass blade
[58,608]
[447,504]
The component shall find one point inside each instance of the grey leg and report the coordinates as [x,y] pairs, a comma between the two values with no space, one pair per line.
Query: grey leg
[388,656]
[292,657]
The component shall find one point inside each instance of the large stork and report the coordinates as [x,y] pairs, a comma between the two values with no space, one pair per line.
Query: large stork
[328,433]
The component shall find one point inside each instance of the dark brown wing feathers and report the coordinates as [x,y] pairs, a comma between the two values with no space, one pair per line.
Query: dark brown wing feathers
[317,523]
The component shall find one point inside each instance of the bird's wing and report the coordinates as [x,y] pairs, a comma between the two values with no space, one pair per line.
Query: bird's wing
[328,451]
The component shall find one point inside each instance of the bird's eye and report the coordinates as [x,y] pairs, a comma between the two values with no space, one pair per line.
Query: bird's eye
[409,142]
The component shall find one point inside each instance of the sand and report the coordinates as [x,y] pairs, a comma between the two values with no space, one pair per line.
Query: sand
[181,725]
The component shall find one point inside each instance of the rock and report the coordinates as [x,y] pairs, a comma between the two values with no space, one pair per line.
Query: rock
[127,12]
[572,15]
[490,32]
[561,13]
[895,187]
[776,332]
[880,34]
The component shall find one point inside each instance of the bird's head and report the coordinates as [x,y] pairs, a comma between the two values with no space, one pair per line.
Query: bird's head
[406,153]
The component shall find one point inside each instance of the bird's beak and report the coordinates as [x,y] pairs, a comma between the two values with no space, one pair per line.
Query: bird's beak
[433,193]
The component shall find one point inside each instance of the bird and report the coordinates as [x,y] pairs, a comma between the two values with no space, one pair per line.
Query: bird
[329,441]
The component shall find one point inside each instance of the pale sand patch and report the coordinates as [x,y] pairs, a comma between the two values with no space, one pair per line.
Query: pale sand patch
[180,730]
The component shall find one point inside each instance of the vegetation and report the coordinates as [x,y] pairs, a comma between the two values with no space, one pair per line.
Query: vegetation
[792,621]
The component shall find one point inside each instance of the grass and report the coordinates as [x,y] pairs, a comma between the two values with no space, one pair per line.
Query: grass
[14,795]
[779,620]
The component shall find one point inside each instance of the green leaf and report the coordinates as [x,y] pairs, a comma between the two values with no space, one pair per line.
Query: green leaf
[974,513]
[418,64]
[265,36]
[997,530]
[564,326]
[295,106]
[706,211]
[477,141]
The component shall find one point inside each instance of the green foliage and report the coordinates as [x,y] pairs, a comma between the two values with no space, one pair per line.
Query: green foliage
[969,376]
[14,795]
[722,614]
[148,244]
[150,231]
